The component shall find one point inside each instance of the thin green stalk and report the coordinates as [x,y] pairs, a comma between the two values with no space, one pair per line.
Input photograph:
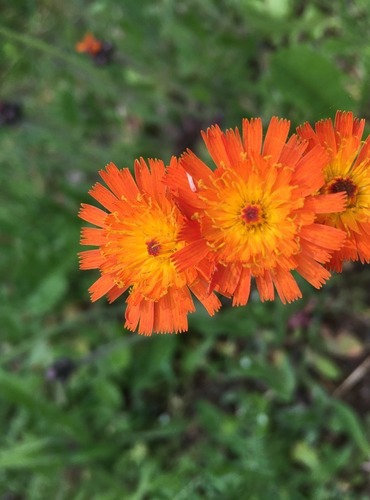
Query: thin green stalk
[39,44]
[99,78]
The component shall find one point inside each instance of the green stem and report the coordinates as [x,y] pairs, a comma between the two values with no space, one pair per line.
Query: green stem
[97,77]
[38,44]
[63,327]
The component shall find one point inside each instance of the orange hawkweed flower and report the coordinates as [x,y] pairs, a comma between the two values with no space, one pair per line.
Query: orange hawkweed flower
[137,238]
[347,170]
[89,45]
[256,214]
[101,52]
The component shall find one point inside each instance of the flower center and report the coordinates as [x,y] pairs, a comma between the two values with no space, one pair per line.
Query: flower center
[343,184]
[252,214]
[153,247]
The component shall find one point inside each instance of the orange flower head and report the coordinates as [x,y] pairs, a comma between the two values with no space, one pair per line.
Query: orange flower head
[89,45]
[255,215]
[136,239]
[347,170]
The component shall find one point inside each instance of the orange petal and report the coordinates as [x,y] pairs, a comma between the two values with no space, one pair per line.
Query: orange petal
[242,291]
[233,146]
[101,287]
[252,136]
[293,151]
[265,286]
[214,140]
[326,135]
[327,203]
[286,286]
[91,259]
[323,236]
[92,236]
[104,196]
[346,125]
[146,323]
[209,301]
[276,137]
[306,132]
[358,127]
[92,214]
[115,292]
[311,271]
[120,182]
[176,179]
[225,279]
[190,255]
[364,153]
[151,181]
[335,263]
[363,247]
[308,174]
[194,166]
[132,315]
[315,251]
[170,311]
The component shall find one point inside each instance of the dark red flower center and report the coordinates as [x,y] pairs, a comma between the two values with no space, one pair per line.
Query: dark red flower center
[343,184]
[153,247]
[251,214]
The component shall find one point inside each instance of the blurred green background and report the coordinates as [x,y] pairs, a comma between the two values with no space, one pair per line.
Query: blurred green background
[261,402]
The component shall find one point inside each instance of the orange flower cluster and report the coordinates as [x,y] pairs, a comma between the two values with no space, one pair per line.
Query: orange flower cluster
[89,45]
[100,51]
[271,206]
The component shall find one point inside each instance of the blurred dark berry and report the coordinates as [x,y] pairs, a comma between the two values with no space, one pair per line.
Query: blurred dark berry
[104,56]
[60,370]
[10,113]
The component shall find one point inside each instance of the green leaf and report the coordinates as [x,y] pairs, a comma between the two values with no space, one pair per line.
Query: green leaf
[115,360]
[306,455]
[47,294]
[348,422]
[155,355]
[323,365]
[25,454]
[14,390]
[278,376]
[344,344]
[304,77]
[285,379]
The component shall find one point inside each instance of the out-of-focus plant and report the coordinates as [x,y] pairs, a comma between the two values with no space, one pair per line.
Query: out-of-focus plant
[244,407]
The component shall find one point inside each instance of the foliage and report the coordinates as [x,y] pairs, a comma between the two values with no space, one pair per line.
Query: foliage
[248,405]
